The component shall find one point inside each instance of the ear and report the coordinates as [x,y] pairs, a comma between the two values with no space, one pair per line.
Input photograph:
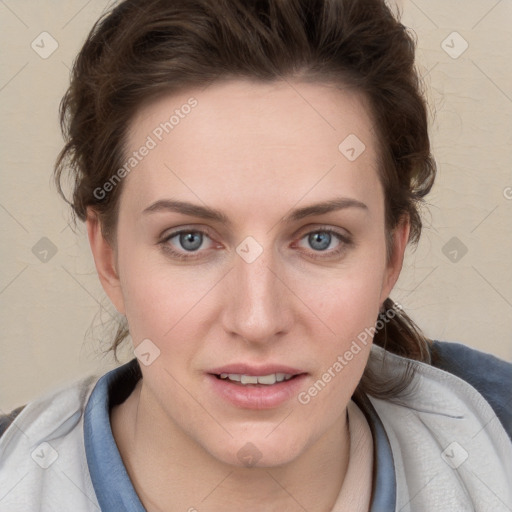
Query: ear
[400,237]
[105,260]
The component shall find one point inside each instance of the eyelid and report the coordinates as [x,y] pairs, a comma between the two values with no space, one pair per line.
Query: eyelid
[187,228]
[313,228]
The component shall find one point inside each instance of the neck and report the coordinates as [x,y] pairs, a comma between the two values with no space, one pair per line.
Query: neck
[171,472]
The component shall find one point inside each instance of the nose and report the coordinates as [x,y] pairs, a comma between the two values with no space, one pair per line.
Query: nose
[257,302]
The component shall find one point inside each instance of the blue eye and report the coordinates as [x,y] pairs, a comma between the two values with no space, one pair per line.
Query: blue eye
[320,241]
[190,241]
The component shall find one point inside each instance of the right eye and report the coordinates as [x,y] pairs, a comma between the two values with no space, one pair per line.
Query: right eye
[178,243]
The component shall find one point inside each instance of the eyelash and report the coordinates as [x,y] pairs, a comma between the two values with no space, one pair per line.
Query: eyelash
[345,243]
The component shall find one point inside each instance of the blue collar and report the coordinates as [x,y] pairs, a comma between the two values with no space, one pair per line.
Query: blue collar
[110,479]
[112,485]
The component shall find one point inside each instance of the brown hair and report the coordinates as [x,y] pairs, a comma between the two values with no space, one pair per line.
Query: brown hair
[146,48]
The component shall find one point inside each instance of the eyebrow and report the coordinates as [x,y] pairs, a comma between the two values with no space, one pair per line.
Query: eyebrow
[205,212]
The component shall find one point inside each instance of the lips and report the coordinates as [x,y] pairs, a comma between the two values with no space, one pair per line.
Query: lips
[254,370]
[256,386]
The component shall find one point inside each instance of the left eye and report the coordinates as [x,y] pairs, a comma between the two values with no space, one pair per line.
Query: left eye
[321,240]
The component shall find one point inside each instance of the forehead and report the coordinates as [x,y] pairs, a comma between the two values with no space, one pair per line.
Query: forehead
[250,137]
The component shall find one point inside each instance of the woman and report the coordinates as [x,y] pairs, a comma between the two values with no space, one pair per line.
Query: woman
[250,174]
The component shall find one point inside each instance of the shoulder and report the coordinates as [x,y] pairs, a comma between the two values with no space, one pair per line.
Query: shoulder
[454,414]
[458,375]
[488,374]
[60,403]
[48,410]
[48,431]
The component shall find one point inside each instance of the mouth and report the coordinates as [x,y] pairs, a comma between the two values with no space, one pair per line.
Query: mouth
[249,387]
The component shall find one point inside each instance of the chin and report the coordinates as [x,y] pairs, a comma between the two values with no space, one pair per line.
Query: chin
[258,451]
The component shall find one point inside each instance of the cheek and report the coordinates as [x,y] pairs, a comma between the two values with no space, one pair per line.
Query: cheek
[163,302]
[348,309]
[345,301]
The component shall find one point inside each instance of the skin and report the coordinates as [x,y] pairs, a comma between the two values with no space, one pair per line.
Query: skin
[256,151]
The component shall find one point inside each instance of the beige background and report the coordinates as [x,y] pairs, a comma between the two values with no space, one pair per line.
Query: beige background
[54,315]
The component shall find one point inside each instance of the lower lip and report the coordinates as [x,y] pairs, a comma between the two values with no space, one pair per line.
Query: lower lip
[257,396]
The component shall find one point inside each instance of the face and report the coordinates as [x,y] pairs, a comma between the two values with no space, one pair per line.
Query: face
[248,243]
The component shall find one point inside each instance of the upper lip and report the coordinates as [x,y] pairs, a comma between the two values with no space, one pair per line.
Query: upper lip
[253,370]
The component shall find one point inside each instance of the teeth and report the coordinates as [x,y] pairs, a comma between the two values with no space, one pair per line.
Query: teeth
[270,379]
[266,379]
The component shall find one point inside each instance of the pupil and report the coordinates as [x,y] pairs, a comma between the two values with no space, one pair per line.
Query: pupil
[320,241]
[187,241]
